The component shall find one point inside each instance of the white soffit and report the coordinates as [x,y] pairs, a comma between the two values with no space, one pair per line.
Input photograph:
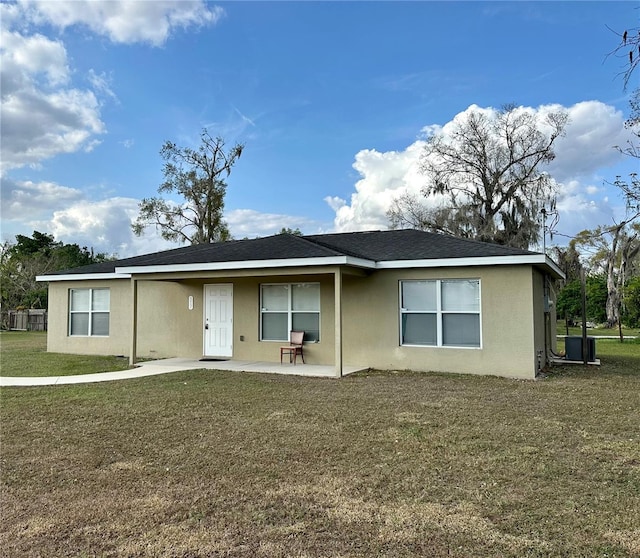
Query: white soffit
[82,277]
[249,264]
[527,259]
[126,272]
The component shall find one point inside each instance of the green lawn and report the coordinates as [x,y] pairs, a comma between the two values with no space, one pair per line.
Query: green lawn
[25,354]
[562,330]
[205,463]
[609,351]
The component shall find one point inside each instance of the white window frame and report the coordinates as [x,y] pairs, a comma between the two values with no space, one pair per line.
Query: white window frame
[439,313]
[290,312]
[89,312]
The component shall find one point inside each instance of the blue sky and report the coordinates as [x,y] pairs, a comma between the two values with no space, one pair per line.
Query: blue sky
[330,98]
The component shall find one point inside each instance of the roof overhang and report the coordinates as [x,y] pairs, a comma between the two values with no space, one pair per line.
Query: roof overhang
[538,260]
[82,276]
[250,264]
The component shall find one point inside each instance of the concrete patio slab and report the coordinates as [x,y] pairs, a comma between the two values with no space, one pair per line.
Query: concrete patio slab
[168,365]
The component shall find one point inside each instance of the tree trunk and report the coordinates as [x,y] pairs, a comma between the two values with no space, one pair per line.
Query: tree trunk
[612,306]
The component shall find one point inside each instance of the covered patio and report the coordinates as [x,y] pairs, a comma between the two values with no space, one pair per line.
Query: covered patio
[310,370]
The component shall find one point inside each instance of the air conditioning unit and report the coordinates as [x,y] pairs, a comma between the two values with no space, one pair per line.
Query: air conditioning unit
[573,348]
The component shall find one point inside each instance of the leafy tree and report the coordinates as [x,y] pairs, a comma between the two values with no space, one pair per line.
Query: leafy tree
[487,174]
[38,243]
[568,259]
[21,262]
[631,303]
[199,177]
[569,303]
[596,292]
[615,253]
[288,230]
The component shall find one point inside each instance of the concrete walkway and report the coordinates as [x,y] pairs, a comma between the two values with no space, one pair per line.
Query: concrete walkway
[166,366]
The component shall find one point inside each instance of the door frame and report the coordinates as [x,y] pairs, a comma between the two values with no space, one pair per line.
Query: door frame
[204,318]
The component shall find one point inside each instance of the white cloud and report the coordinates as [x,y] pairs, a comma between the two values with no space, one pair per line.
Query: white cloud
[102,83]
[41,116]
[34,55]
[384,177]
[594,129]
[125,21]
[22,200]
[587,147]
[105,224]
[66,213]
[250,223]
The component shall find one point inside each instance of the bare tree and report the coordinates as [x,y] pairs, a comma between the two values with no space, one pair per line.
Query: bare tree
[627,49]
[631,190]
[199,177]
[484,178]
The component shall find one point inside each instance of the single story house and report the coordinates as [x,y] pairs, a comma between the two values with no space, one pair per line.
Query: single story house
[397,299]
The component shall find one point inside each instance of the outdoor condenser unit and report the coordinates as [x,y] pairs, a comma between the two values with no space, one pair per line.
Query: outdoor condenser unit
[573,348]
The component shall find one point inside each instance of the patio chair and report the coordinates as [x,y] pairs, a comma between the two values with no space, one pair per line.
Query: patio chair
[294,348]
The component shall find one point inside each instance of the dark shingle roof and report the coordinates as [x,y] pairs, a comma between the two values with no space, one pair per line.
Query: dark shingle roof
[408,244]
[377,246]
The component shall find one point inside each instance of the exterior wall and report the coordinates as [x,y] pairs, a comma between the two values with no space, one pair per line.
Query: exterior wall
[119,339]
[539,338]
[371,323]
[512,319]
[553,317]
[166,327]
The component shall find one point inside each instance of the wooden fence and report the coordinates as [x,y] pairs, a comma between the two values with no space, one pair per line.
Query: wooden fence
[25,320]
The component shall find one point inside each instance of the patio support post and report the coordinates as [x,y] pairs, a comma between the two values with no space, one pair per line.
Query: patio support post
[134,322]
[338,320]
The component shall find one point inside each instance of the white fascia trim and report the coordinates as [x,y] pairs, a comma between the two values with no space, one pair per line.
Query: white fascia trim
[530,259]
[82,277]
[555,267]
[251,264]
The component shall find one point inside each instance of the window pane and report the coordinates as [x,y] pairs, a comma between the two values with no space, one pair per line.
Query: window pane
[275,297]
[274,327]
[305,296]
[419,295]
[100,300]
[100,323]
[80,299]
[462,296]
[461,330]
[419,329]
[80,324]
[309,323]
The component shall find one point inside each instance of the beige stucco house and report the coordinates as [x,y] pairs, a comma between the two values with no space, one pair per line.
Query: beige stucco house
[401,299]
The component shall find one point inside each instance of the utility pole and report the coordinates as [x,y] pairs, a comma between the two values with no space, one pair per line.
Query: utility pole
[585,349]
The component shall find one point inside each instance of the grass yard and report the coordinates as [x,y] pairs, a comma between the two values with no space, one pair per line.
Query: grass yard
[206,463]
[613,331]
[24,353]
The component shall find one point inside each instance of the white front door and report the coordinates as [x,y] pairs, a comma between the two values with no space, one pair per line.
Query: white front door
[218,320]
